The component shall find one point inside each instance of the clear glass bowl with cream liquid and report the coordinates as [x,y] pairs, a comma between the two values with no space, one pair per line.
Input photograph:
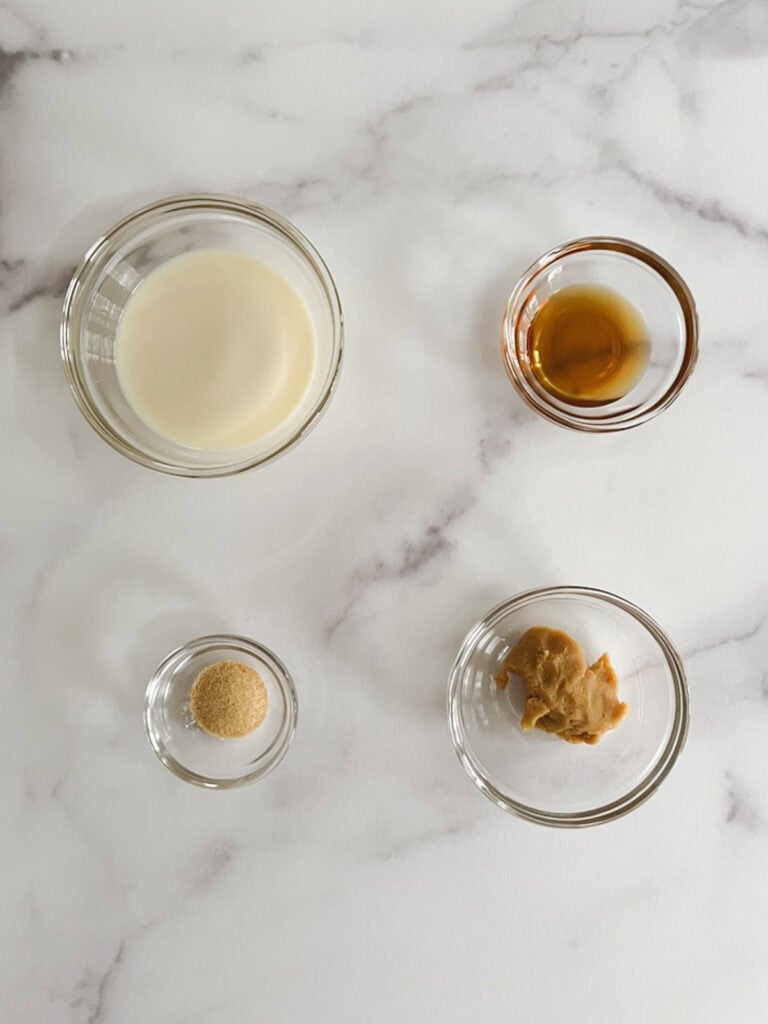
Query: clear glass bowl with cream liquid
[202,335]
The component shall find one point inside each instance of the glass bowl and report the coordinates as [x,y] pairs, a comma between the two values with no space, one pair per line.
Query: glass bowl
[649,284]
[118,263]
[539,776]
[190,752]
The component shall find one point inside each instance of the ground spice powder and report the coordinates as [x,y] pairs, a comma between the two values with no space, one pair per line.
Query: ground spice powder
[228,699]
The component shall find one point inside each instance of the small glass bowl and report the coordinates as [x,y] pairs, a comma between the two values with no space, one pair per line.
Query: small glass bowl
[539,776]
[190,752]
[645,280]
[117,264]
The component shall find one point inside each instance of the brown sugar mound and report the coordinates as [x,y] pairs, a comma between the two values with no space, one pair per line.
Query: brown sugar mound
[228,700]
[577,702]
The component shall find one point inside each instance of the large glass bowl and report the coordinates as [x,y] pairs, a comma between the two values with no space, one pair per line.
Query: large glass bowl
[118,263]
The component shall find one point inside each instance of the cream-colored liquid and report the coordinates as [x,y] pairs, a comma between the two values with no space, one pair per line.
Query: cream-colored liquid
[215,350]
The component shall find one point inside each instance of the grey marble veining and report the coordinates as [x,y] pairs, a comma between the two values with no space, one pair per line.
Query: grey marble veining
[431,153]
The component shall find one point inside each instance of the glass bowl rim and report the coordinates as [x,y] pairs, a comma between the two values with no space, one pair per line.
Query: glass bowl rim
[639,793]
[79,290]
[571,418]
[285,683]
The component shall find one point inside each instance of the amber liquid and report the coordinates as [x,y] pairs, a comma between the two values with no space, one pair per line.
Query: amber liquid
[587,345]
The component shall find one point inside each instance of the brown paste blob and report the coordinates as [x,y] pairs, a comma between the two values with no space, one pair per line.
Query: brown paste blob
[578,703]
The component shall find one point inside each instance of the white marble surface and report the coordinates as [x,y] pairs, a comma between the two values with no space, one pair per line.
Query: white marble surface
[430,151]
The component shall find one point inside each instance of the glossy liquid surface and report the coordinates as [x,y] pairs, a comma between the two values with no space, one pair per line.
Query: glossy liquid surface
[587,345]
[215,350]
